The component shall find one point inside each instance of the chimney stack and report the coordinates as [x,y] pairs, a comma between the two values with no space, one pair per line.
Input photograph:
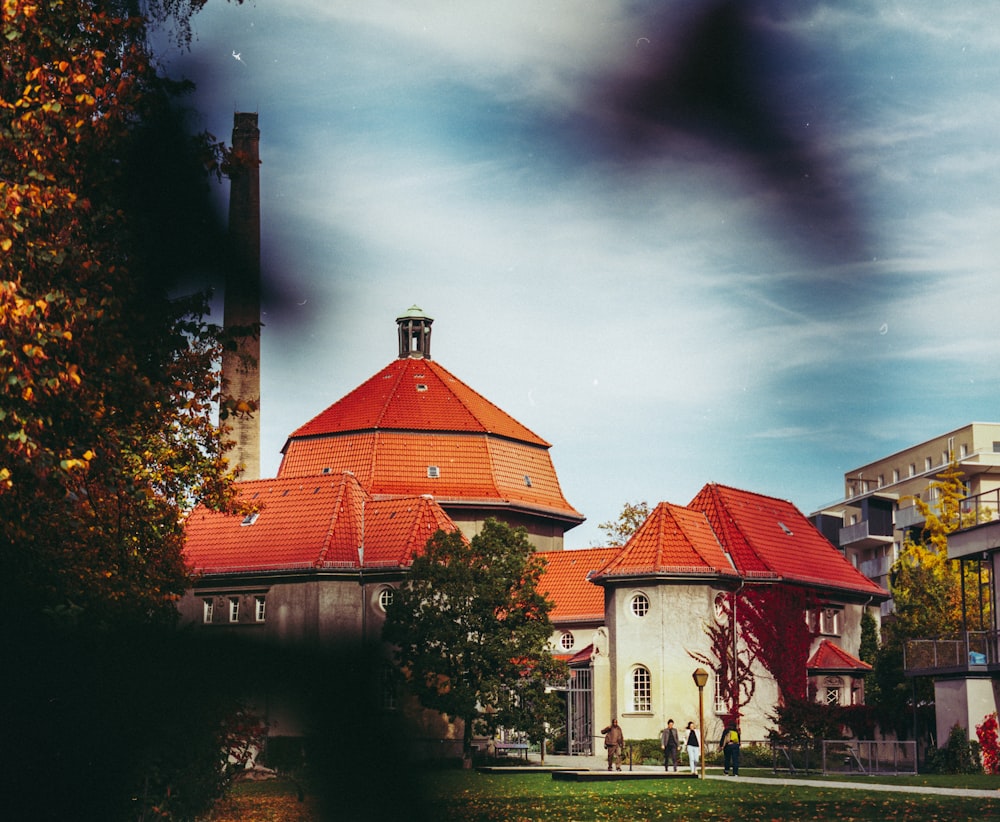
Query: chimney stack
[241,367]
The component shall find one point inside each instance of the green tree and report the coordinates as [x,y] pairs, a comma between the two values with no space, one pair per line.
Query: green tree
[471,631]
[633,514]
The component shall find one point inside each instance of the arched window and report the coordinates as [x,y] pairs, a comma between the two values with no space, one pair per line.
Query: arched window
[642,689]
[385,597]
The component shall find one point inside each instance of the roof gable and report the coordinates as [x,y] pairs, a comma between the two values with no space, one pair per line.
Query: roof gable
[672,541]
[769,537]
[830,657]
[307,523]
[566,582]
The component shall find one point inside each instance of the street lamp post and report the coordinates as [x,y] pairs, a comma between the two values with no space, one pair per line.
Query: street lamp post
[700,677]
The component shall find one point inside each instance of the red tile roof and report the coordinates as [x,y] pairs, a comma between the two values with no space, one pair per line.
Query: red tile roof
[672,541]
[314,522]
[413,419]
[830,657]
[770,538]
[469,467]
[566,583]
[416,395]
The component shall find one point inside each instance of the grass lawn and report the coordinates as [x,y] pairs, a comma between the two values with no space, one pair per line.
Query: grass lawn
[468,795]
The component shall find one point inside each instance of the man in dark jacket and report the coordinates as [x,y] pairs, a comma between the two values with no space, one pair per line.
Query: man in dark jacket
[730,744]
[670,743]
[614,741]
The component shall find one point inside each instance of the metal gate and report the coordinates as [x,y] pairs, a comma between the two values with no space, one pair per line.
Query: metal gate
[579,712]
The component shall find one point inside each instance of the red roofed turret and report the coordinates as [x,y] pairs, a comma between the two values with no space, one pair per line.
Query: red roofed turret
[415,428]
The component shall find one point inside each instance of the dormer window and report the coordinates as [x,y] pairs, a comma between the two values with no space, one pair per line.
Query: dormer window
[433,472]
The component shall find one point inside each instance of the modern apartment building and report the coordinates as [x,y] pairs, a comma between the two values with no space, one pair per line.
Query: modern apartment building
[869,524]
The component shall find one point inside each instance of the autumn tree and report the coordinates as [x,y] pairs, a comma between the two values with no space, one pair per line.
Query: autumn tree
[471,632]
[618,531]
[108,396]
[926,586]
[107,384]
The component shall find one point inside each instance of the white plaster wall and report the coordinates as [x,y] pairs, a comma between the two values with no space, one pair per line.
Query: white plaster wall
[966,702]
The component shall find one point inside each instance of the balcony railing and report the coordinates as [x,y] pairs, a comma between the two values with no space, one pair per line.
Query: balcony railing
[875,568]
[969,652]
[862,532]
[980,508]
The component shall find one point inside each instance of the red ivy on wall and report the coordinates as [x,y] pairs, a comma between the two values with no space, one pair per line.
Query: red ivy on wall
[989,744]
[773,624]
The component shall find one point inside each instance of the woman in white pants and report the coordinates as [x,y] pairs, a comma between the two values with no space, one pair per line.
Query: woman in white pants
[693,742]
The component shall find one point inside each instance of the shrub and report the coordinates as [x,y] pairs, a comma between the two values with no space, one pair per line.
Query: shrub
[959,755]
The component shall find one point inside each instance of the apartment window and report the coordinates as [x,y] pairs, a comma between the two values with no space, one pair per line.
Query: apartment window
[928,463]
[912,469]
[259,608]
[829,621]
[207,610]
[944,457]
[640,605]
[895,475]
[963,450]
[234,609]
[834,688]
[996,447]
[566,641]
[642,690]
[881,480]
[385,598]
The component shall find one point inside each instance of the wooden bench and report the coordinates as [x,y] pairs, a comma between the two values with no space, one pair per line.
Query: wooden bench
[503,748]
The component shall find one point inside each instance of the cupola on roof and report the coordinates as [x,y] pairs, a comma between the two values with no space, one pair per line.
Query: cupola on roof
[414,334]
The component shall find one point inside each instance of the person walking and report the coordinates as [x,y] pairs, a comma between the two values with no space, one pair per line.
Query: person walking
[614,741]
[693,741]
[670,743]
[730,744]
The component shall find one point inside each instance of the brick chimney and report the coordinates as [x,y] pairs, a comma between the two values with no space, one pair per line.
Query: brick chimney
[241,367]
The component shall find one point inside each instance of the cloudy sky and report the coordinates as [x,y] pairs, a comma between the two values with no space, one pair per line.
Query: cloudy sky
[681,242]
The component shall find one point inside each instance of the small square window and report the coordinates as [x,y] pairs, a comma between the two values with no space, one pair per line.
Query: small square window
[250,519]
[433,472]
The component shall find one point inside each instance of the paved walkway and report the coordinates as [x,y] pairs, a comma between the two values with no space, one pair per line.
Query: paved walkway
[599,765]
